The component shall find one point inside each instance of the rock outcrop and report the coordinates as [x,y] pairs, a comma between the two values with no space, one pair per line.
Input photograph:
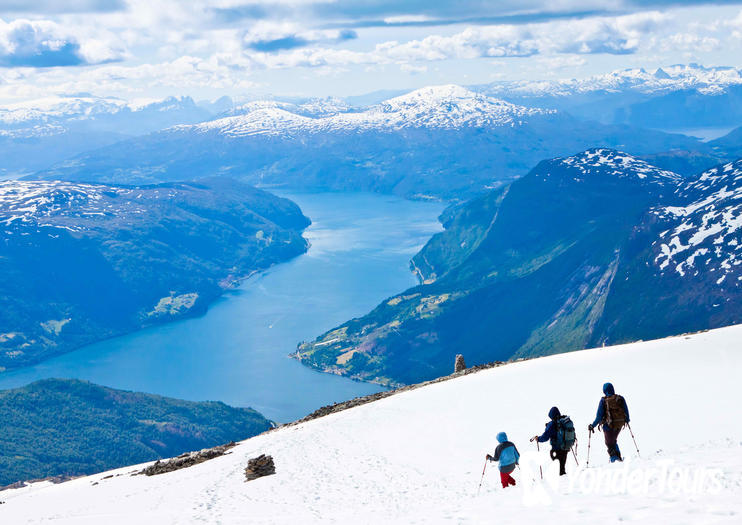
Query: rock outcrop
[260,466]
[460,364]
[186,460]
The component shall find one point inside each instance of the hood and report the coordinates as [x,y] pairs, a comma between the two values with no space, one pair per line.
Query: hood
[502,437]
[554,413]
[608,389]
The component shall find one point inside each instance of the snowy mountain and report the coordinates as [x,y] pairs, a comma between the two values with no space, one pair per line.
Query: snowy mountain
[443,141]
[596,248]
[674,97]
[37,133]
[82,262]
[417,456]
[316,107]
[84,112]
[705,233]
[678,77]
[445,107]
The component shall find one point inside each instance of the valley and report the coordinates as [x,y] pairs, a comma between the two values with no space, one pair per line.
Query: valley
[359,247]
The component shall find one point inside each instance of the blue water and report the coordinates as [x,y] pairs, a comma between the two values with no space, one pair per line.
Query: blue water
[237,352]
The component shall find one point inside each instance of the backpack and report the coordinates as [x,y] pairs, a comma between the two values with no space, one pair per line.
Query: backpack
[615,415]
[565,433]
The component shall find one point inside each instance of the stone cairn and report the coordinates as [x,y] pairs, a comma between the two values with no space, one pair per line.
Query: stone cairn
[259,467]
[460,364]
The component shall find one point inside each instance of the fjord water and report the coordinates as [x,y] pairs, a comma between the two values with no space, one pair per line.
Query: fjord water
[237,352]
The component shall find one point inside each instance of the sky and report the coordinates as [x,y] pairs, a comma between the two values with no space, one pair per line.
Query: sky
[146,49]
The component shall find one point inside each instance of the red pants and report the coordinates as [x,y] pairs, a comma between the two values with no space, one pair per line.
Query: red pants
[506,479]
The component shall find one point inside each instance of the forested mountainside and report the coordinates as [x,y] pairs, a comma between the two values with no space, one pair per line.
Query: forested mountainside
[67,427]
[83,262]
[593,249]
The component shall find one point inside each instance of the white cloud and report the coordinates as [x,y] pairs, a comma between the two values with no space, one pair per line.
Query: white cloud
[413,69]
[688,42]
[43,43]
[621,35]
[272,36]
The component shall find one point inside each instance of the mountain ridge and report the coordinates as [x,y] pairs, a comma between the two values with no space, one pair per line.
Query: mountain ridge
[409,145]
[566,257]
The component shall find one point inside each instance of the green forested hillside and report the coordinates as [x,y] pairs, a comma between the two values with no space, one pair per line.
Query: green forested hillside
[70,427]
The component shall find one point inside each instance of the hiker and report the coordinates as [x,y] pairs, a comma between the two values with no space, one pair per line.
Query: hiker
[612,416]
[560,432]
[507,454]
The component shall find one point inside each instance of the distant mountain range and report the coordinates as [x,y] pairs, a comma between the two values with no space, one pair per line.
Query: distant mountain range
[82,262]
[444,141]
[65,427]
[37,133]
[596,248]
[675,97]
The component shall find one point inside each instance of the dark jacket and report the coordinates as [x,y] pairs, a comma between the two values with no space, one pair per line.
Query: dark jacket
[608,390]
[550,432]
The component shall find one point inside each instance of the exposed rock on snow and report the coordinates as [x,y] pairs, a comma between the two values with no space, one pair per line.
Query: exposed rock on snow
[260,466]
[460,364]
[186,460]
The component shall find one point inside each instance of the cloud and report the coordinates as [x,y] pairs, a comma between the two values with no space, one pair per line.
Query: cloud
[688,42]
[599,35]
[56,6]
[42,43]
[270,37]
[380,13]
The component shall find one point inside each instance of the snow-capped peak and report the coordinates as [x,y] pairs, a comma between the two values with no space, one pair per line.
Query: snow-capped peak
[452,106]
[448,107]
[604,160]
[433,95]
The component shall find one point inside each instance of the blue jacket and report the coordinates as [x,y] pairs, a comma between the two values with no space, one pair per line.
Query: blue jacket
[506,452]
[608,390]
[550,432]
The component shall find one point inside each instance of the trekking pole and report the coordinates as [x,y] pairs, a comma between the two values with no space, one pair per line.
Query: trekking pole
[538,449]
[634,439]
[589,437]
[482,478]
[574,454]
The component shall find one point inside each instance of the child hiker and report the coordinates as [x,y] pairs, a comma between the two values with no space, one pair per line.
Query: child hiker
[508,456]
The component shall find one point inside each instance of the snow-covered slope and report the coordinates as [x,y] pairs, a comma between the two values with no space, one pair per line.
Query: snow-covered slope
[707,232]
[618,164]
[446,107]
[417,457]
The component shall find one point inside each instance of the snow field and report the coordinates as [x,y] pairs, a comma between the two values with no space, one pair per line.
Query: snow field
[417,457]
